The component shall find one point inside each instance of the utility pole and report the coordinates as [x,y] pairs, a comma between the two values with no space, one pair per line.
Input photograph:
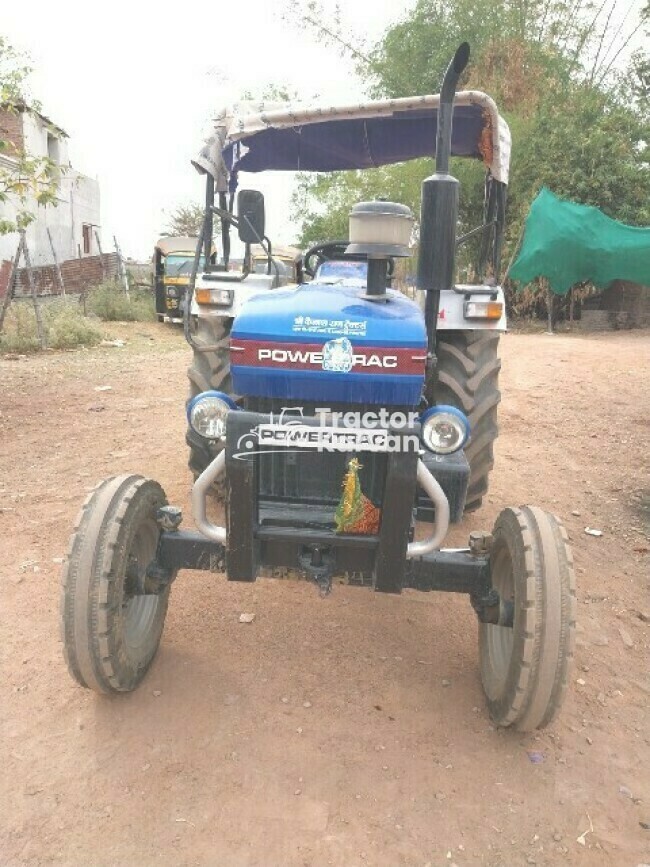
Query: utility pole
[32,288]
[59,275]
[101,255]
[121,268]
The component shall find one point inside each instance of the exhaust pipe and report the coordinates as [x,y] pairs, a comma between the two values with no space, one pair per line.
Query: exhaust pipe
[446,109]
[439,211]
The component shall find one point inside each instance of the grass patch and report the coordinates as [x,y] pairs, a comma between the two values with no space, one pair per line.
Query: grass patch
[63,321]
[109,302]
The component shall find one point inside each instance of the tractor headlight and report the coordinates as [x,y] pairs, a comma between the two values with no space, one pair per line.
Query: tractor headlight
[445,429]
[207,413]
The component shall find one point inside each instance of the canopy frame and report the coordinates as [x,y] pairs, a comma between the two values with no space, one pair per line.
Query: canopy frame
[259,137]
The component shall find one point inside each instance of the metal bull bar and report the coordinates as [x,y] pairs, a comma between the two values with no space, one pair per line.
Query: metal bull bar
[200,496]
[414,549]
[391,557]
[285,541]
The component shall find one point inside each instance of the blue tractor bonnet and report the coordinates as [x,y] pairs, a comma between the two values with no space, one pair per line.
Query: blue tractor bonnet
[255,137]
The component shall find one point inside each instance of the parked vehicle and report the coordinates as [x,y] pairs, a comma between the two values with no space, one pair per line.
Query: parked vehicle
[287,259]
[339,412]
[173,259]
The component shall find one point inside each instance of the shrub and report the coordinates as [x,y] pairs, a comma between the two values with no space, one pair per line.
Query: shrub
[63,321]
[67,327]
[109,302]
[19,333]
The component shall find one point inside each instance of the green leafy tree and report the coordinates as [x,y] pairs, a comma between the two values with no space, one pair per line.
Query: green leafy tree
[25,181]
[186,220]
[325,200]
[590,149]
[579,124]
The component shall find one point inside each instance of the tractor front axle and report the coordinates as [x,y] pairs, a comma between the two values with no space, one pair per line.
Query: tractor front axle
[450,571]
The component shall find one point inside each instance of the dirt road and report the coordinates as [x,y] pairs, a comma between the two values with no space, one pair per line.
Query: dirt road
[344,731]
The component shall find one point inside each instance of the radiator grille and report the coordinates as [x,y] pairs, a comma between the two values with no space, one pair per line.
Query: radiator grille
[309,476]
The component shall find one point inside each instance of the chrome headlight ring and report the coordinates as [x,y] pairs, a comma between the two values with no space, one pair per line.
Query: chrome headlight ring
[445,429]
[207,412]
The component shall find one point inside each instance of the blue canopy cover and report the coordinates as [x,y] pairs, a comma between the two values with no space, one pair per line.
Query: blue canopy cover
[255,138]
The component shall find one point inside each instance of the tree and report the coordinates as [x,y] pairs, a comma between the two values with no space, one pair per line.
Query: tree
[641,67]
[591,149]
[25,181]
[325,200]
[579,125]
[186,220]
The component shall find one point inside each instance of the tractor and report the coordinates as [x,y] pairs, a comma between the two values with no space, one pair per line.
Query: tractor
[336,416]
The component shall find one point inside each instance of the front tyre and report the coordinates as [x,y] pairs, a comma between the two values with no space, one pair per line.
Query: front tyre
[525,668]
[110,632]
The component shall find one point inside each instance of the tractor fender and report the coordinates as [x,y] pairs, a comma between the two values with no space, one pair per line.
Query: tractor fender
[451,312]
[241,292]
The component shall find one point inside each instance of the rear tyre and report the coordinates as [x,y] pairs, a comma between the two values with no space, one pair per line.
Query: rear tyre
[209,370]
[110,633]
[468,377]
[525,668]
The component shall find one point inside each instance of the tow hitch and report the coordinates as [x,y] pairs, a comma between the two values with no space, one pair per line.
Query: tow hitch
[317,561]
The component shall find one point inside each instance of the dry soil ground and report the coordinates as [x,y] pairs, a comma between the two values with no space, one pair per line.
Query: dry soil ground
[349,730]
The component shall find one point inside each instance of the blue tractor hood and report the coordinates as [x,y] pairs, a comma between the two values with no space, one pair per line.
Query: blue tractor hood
[320,342]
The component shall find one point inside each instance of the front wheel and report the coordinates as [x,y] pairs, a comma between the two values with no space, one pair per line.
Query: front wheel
[110,630]
[525,668]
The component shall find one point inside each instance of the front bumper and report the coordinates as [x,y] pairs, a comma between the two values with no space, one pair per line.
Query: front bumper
[451,570]
[266,530]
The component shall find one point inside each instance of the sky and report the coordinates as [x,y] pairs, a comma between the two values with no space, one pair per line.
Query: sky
[135,86]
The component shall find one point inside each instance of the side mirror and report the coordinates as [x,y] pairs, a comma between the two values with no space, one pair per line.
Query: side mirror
[250,213]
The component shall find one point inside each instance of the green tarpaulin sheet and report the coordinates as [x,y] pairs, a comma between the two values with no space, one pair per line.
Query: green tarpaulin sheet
[569,244]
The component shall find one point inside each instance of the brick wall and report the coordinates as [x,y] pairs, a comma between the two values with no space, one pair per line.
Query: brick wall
[78,274]
[628,304]
[11,130]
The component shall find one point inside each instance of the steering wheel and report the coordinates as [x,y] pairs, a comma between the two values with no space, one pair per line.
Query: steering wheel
[327,250]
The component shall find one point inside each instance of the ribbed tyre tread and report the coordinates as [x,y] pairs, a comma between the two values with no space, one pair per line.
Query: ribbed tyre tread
[534,688]
[209,370]
[92,581]
[468,377]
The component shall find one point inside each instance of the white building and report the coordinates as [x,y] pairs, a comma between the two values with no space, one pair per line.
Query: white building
[75,219]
